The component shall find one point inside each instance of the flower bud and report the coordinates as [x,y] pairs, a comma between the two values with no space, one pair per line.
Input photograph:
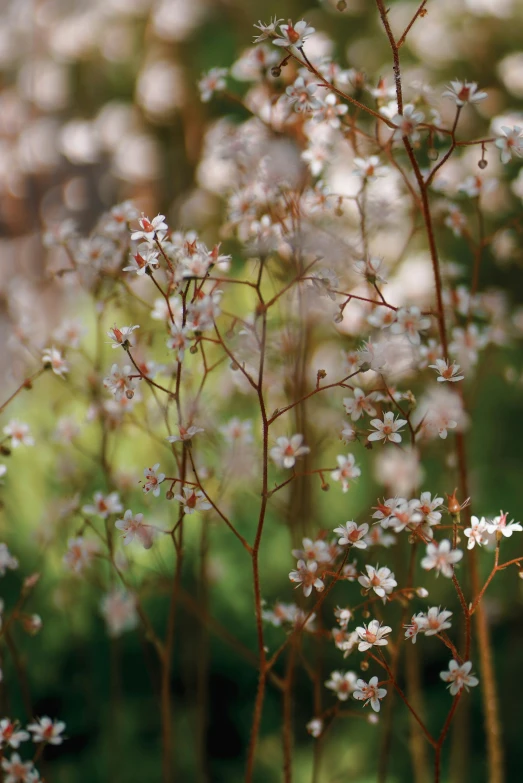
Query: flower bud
[421,592]
[169,494]
[433,154]
[275,71]
[364,665]
[341,5]
[482,163]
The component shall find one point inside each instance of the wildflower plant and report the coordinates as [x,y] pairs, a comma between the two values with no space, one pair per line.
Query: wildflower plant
[243,366]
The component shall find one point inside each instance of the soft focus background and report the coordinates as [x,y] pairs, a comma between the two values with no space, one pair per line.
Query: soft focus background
[99,103]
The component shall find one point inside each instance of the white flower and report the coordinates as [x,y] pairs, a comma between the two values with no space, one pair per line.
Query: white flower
[381,580]
[119,610]
[267,30]
[193,500]
[103,505]
[466,344]
[293,35]
[459,677]
[202,313]
[377,537]
[382,92]
[178,341]
[330,110]
[7,560]
[141,263]
[372,635]
[499,526]
[405,515]
[120,383]
[417,624]
[407,123]
[80,552]
[313,550]
[185,433]
[385,510]
[456,220]
[342,638]
[19,433]
[237,431]
[315,727]
[121,336]
[477,532]
[439,411]
[474,186]
[316,156]
[51,357]
[428,506]
[447,371]
[436,621]
[211,82]
[352,534]
[464,92]
[343,616]
[409,321]
[160,311]
[368,167]
[342,683]
[348,434]
[346,471]
[149,228]
[305,574]
[382,317]
[118,219]
[287,450]
[358,404]
[372,270]
[350,570]
[132,527]
[153,479]
[372,356]
[301,95]
[369,692]
[288,613]
[387,429]
[69,333]
[10,735]
[19,771]
[46,730]
[511,143]
[441,557]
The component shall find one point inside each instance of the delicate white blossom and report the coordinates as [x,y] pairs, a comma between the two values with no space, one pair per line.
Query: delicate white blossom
[459,677]
[346,471]
[342,683]
[441,557]
[372,635]
[352,534]
[287,450]
[46,730]
[369,692]
[305,574]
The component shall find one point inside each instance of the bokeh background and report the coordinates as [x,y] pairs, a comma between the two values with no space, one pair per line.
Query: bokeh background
[99,103]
